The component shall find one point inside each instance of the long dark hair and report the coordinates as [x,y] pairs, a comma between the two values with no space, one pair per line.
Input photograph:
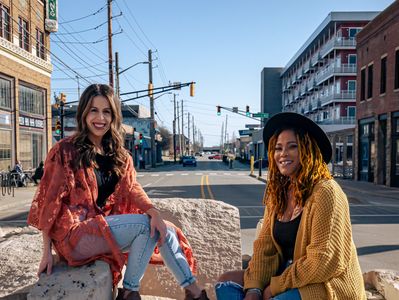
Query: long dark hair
[112,141]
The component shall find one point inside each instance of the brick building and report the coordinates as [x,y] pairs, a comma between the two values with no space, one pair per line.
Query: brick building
[377,100]
[320,81]
[25,69]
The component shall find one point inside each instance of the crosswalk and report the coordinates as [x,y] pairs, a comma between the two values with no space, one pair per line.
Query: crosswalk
[193,174]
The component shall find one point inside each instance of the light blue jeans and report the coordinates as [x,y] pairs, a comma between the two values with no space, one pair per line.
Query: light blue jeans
[230,290]
[132,233]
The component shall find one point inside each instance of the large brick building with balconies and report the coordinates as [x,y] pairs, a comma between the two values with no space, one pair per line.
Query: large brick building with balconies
[320,81]
[377,133]
[25,69]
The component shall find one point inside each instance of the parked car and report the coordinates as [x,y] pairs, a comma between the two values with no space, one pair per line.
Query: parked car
[189,161]
[265,164]
[215,156]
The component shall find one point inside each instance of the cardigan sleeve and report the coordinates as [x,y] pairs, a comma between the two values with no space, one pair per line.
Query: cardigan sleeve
[47,201]
[329,251]
[265,260]
[132,193]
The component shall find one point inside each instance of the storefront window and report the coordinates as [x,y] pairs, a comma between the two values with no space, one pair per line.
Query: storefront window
[5,149]
[5,93]
[31,100]
[31,149]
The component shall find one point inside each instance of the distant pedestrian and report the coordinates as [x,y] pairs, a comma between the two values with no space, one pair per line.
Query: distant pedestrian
[90,206]
[18,174]
[141,162]
[305,248]
[38,173]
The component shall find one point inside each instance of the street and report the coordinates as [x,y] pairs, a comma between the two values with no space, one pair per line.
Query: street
[374,209]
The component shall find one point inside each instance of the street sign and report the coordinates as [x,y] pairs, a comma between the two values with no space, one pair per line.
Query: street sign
[235,109]
[252,126]
[245,132]
[260,115]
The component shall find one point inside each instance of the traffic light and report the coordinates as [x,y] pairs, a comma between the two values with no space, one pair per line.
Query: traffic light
[141,138]
[58,127]
[192,89]
[62,97]
[247,113]
[218,110]
[136,147]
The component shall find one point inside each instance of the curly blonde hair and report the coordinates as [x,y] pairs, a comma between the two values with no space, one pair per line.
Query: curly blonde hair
[112,141]
[312,169]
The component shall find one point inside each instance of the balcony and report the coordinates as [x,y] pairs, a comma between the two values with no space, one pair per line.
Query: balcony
[316,58]
[335,70]
[338,121]
[308,68]
[343,96]
[337,43]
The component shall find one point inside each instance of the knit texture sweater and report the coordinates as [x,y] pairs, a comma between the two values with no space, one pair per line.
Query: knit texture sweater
[325,264]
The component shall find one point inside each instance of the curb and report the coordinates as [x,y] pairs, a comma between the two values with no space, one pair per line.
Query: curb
[259,178]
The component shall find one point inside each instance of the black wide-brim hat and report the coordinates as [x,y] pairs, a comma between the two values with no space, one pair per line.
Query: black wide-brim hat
[294,120]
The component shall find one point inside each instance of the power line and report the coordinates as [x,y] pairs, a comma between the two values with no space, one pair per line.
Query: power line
[85,17]
[84,30]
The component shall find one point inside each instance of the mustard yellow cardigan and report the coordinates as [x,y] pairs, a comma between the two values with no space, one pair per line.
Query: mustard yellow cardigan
[325,264]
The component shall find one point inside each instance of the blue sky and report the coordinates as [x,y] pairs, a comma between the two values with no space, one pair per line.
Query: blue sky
[222,45]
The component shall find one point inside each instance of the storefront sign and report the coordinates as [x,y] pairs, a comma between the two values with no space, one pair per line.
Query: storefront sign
[31,122]
[51,21]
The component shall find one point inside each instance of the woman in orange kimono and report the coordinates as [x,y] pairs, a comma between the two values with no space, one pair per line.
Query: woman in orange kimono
[90,206]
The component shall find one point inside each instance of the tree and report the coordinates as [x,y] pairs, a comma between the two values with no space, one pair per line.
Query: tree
[166,138]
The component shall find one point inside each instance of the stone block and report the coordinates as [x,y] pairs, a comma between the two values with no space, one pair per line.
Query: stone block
[386,282]
[213,229]
[93,281]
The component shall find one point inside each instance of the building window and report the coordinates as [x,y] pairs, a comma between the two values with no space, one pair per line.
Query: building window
[31,100]
[5,28]
[31,149]
[5,149]
[40,51]
[397,69]
[23,33]
[351,111]
[5,93]
[370,81]
[383,80]
[352,58]
[353,32]
[363,85]
[351,85]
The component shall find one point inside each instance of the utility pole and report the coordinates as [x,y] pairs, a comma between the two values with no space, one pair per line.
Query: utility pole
[152,121]
[174,128]
[178,126]
[182,129]
[77,79]
[188,132]
[110,64]
[193,136]
[117,88]
[225,132]
[221,138]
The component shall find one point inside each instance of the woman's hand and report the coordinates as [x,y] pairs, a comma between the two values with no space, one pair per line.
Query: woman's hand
[252,296]
[267,293]
[157,223]
[46,262]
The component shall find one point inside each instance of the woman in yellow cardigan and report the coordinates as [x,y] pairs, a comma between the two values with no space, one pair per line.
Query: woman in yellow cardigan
[305,248]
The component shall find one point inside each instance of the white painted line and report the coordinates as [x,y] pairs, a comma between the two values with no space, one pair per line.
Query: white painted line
[241,174]
[169,174]
[139,175]
[212,174]
[154,175]
[184,174]
[198,173]
[228,174]
[148,184]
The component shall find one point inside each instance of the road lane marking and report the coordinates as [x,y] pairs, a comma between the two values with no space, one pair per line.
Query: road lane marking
[209,188]
[202,188]
[169,174]
[154,175]
[198,173]
[227,174]
[212,174]
[139,175]
[184,174]
[148,184]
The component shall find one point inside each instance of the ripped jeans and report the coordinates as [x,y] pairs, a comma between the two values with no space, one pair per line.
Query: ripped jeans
[132,233]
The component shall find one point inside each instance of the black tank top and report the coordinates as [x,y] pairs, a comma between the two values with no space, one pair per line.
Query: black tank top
[285,234]
[106,178]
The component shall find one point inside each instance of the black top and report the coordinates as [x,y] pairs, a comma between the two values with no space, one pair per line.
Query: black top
[285,235]
[106,179]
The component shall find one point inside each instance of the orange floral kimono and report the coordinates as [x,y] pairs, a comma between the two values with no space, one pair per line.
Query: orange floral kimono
[64,207]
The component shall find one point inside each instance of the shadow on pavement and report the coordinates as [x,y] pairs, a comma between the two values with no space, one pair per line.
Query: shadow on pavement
[376,249]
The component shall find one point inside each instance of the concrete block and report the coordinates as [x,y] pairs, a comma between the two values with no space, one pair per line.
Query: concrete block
[386,282]
[213,229]
[93,281]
